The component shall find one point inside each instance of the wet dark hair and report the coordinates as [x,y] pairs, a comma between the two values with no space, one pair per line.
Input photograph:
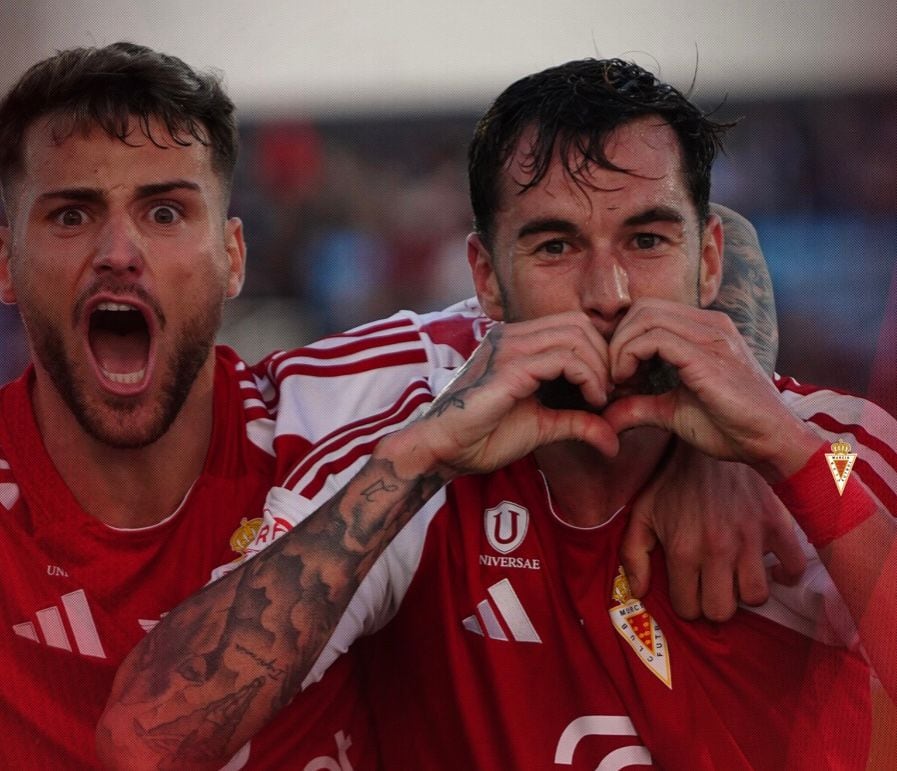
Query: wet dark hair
[108,87]
[574,107]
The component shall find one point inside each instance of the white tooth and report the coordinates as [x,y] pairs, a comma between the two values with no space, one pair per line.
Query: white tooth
[128,378]
[110,306]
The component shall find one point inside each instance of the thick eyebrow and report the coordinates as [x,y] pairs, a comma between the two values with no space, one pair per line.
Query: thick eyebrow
[92,195]
[547,225]
[83,194]
[159,188]
[655,214]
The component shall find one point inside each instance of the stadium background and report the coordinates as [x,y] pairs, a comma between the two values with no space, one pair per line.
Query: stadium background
[355,119]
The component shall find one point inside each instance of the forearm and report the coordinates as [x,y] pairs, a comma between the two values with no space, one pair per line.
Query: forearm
[746,293]
[863,565]
[856,538]
[225,661]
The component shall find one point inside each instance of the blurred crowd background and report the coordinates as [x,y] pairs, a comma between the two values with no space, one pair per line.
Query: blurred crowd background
[350,219]
[355,123]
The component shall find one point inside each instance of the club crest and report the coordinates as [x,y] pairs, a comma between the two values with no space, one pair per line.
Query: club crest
[506,526]
[640,630]
[840,462]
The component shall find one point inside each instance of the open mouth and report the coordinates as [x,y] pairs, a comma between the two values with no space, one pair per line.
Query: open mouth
[120,340]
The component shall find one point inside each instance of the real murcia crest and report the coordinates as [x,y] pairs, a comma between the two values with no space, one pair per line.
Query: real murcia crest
[840,461]
[506,526]
[640,630]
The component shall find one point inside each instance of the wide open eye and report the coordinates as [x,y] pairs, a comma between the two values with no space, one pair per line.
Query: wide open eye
[70,217]
[164,214]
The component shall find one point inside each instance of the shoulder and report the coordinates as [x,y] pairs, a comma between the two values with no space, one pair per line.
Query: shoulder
[838,414]
[365,372]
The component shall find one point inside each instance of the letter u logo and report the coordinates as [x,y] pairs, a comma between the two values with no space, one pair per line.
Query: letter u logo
[506,526]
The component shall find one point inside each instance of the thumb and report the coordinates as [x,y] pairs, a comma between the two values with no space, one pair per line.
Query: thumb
[632,411]
[563,425]
[635,554]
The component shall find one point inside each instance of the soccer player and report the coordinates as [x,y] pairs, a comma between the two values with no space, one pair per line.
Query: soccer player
[134,456]
[499,628]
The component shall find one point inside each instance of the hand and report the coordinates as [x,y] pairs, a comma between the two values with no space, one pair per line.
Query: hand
[725,405]
[488,415]
[715,521]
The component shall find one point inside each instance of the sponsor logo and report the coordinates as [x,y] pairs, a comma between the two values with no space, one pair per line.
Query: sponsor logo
[503,618]
[840,462]
[506,526]
[50,629]
[528,563]
[640,630]
[602,725]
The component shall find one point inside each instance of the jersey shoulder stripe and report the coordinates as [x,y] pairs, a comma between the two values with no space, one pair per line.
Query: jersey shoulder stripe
[342,448]
[871,432]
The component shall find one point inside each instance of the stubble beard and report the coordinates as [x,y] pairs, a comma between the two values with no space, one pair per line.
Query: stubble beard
[109,423]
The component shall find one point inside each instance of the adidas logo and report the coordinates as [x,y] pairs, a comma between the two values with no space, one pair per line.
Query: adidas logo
[501,617]
[53,629]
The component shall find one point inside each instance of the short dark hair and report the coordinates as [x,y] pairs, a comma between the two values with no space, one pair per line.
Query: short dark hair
[575,106]
[108,87]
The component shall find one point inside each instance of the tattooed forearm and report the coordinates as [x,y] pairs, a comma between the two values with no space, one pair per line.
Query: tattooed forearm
[746,293]
[274,671]
[380,486]
[219,666]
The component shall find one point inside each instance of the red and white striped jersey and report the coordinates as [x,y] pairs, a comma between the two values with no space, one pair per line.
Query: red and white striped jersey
[493,635]
[78,595]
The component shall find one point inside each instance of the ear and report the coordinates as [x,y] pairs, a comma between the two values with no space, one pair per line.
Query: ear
[711,268]
[7,294]
[236,253]
[485,279]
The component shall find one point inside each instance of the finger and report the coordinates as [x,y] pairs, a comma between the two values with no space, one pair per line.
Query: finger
[633,411]
[524,373]
[570,330]
[786,546]
[635,554]
[697,325]
[676,350]
[564,425]
[753,586]
[718,598]
[684,577]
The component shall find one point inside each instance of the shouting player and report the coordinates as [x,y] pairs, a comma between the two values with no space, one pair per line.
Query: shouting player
[134,456]
[473,561]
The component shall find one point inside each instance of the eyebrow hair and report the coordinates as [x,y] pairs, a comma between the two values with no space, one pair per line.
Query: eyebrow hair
[655,214]
[157,188]
[547,224]
[86,194]
[93,195]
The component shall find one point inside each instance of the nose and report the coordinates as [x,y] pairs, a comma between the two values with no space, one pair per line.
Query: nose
[605,291]
[119,250]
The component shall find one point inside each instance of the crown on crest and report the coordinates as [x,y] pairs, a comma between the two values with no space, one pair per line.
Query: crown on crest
[840,447]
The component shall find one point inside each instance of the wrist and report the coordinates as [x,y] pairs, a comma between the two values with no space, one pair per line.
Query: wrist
[791,453]
[410,455]
[823,512]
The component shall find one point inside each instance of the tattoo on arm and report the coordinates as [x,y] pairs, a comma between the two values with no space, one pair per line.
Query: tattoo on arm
[746,294]
[379,486]
[225,661]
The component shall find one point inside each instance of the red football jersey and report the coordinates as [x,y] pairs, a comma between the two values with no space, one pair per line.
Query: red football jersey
[498,637]
[78,595]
